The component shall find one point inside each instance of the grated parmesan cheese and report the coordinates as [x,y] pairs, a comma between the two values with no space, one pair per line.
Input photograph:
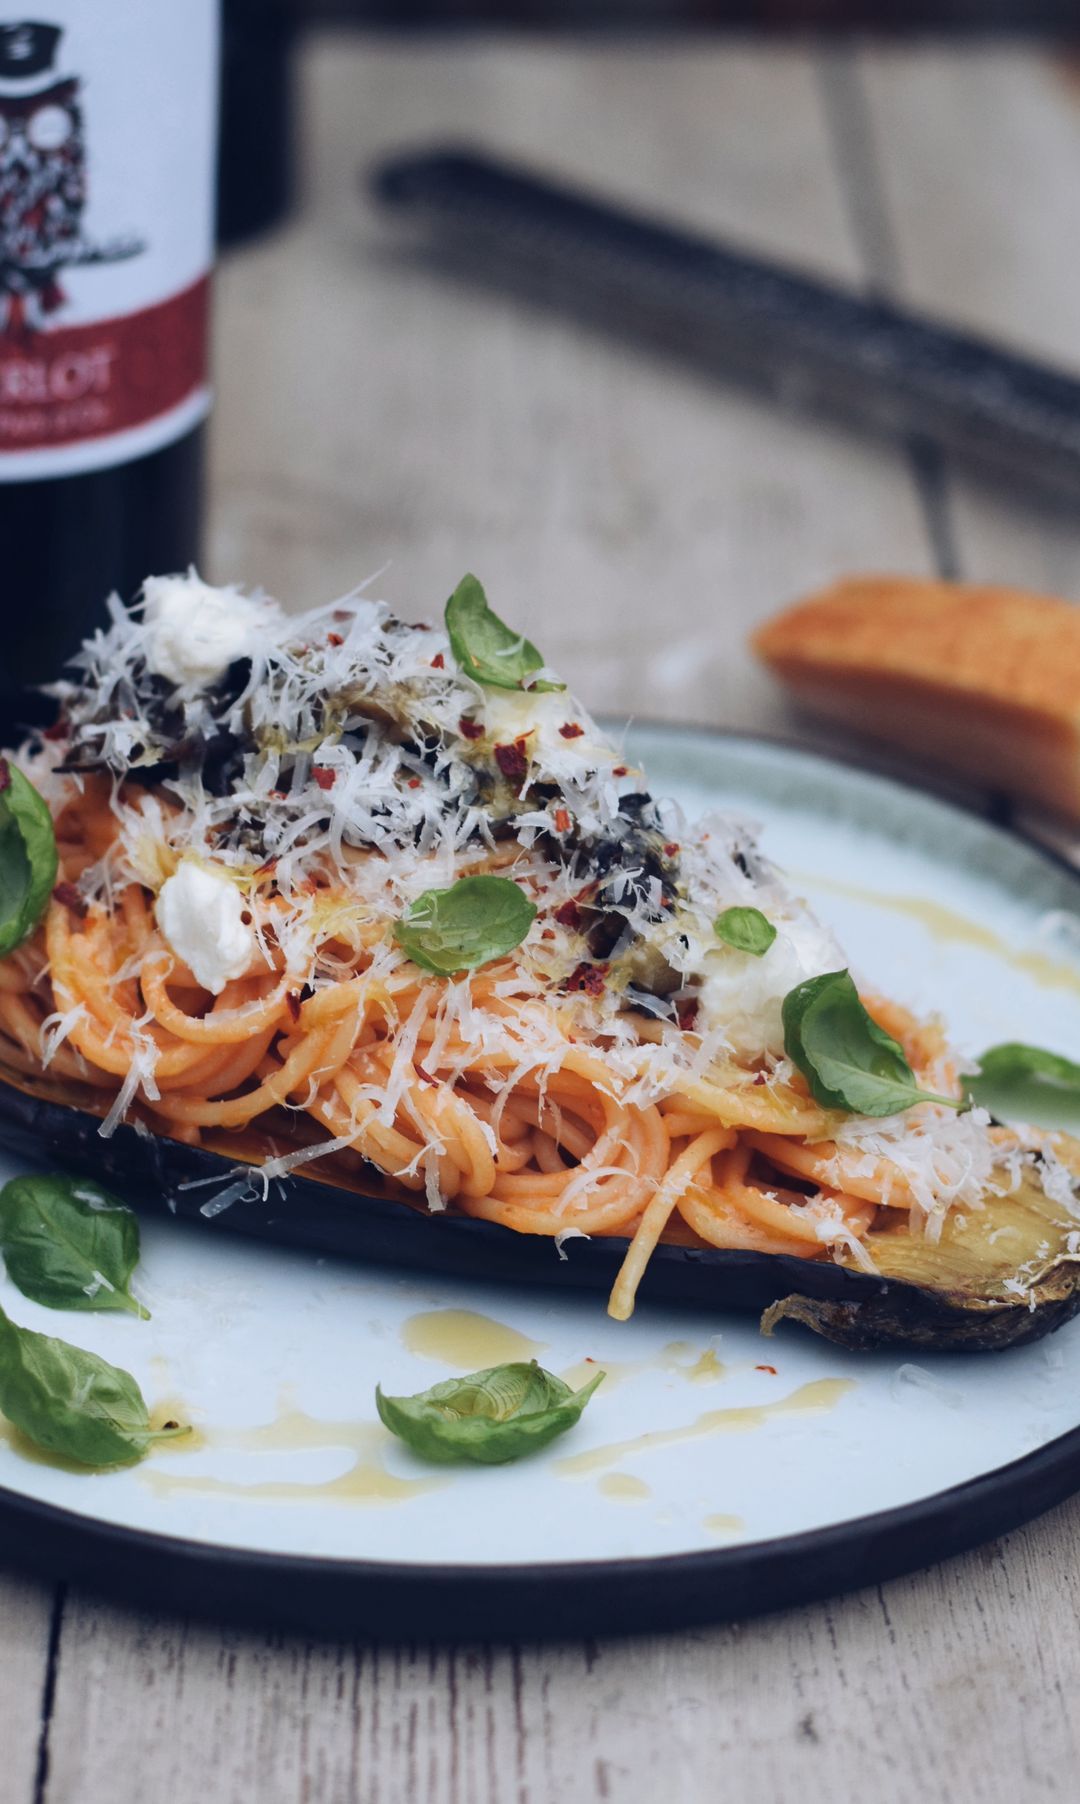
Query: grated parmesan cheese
[317,772]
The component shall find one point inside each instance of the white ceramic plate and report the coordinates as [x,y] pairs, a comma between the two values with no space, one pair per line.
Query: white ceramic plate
[715,1470]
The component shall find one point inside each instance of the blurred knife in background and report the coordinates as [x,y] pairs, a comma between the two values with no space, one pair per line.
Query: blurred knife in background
[805,341]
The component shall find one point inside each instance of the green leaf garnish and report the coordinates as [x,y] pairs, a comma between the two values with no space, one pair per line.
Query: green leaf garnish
[491,1416]
[28,861]
[1027,1084]
[460,928]
[69,1244]
[72,1403]
[848,1061]
[486,649]
[746,929]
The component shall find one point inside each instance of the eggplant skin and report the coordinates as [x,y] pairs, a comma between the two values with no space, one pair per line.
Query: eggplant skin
[904,1316]
[853,1309]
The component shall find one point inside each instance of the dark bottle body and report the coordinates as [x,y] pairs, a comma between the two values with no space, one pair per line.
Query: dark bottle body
[256,142]
[108,124]
[69,542]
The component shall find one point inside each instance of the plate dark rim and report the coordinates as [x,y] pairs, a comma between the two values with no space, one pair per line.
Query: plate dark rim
[392,1601]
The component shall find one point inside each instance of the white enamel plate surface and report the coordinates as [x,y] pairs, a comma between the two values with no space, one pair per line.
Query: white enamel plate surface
[706,1438]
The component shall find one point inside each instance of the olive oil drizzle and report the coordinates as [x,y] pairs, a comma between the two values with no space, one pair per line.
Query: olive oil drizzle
[466,1340]
[820,1395]
[366,1480]
[949,926]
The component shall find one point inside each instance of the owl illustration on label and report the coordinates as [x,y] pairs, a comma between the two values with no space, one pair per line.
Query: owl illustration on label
[43,179]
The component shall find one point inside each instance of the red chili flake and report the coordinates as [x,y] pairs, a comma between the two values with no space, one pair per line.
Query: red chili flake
[470,729]
[60,729]
[280,795]
[438,662]
[760,1077]
[771,1369]
[292,1003]
[570,730]
[267,867]
[68,896]
[5,775]
[548,933]
[512,761]
[586,977]
[414,782]
[671,850]
[426,1075]
[562,821]
[569,915]
[686,1012]
[620,770]
[342,614]
[323,776]
[669,901]
[334,639]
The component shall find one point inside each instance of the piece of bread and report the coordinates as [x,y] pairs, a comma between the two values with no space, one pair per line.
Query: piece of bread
[985,680]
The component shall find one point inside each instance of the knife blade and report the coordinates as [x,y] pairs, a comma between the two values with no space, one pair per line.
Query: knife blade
[877,365]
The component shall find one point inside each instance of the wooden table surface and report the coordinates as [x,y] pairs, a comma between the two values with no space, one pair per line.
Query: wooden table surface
[637,518]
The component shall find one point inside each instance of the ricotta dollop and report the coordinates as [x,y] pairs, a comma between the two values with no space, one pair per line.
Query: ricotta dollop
[200,914]
[743,996]
[195,631]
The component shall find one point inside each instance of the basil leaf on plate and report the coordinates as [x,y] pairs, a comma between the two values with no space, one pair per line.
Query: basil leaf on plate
[490,1416]
[747,929]
[28,862]
[70,1402]
[460,928]
[848,1061]
[1025,1083]
[69,1244]
[486,649]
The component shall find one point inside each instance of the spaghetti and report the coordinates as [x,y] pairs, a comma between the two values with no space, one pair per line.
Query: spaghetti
[620,1073]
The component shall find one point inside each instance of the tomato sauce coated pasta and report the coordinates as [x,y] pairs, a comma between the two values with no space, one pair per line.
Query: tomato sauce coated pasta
[546,1151]
[613,1068]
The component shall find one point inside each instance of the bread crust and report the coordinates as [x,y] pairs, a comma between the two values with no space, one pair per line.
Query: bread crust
[984,679]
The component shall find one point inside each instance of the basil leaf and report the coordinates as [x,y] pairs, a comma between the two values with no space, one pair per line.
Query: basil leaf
[1024,1083]
[460,928]
[72,1403]
[69,1244]
[846,1058]
[746,929]
[28,861]
[490,1416]
[486,649]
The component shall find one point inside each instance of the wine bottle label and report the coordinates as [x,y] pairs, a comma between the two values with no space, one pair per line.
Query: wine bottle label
[108,114]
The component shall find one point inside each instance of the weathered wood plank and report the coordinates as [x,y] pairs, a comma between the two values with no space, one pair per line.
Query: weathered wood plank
[978,154]
[26,1622]
[957,1683]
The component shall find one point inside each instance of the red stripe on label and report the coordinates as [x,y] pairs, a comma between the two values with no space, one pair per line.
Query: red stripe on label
[72,383]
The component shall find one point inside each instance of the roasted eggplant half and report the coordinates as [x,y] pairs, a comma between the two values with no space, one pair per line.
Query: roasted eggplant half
[998,1276]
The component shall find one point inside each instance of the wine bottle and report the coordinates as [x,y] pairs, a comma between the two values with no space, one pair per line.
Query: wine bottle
[256,152]
[108,120]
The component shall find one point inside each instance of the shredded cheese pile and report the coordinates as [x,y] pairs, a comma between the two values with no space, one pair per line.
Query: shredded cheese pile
[251,754]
